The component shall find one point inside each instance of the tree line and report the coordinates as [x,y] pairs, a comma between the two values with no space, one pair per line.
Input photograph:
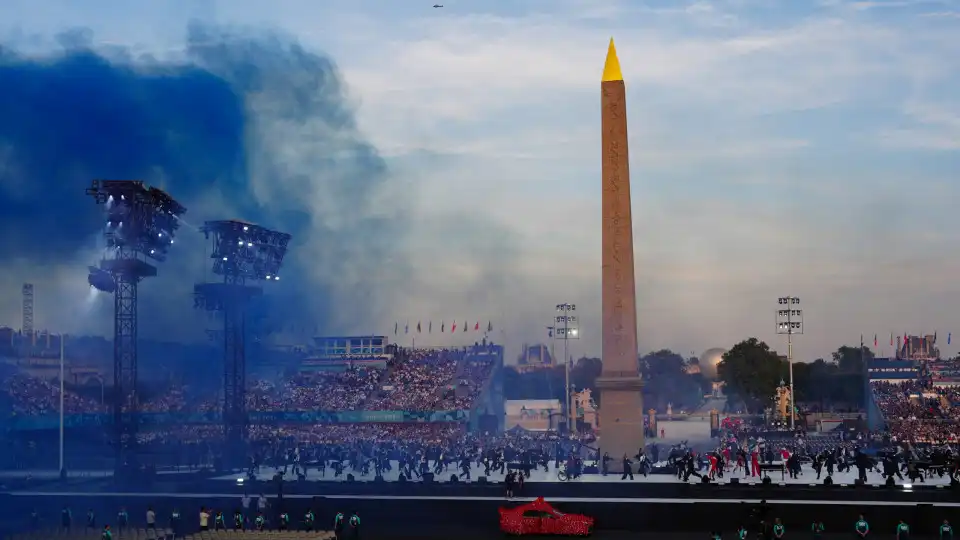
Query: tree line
[664,371]
[750,372]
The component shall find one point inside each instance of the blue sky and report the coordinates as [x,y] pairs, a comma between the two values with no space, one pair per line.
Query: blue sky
[806,148]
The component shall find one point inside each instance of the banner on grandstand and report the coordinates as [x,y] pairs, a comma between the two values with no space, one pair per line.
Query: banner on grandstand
[891,369]
[532,414]
[78,421]
[343,362]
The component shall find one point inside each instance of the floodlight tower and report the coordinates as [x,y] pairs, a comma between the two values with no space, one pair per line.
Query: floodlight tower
[567,328]
[141,224]
[244,254]
[790,322]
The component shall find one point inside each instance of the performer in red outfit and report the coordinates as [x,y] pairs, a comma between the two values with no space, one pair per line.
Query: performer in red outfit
[713,466]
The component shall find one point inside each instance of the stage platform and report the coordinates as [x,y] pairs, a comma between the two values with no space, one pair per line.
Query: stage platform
[808,477]
[655,503]
[538,476]
[655,487]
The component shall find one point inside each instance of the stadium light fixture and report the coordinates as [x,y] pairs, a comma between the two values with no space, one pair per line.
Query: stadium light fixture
[139,218]
[790,323]
[567,327]
[245,250]
[101,280]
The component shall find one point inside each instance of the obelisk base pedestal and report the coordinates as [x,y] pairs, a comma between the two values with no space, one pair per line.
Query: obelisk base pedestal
[621,418]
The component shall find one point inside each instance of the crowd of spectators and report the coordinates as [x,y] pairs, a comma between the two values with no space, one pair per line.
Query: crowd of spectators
[415,380]
[32,396]
[918,413]
[944,371]
[174,400]
[348,434]
[418,381]
[920,431]
[905,400]
[474,372]
[325,391]
[412,380]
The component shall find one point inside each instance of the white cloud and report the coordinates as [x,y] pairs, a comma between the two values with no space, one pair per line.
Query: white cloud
[932,126]
[893,4]
[443,84]
[943,14]
[440,79]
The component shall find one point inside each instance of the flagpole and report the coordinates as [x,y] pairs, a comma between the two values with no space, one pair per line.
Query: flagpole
[861,353]
[503,332]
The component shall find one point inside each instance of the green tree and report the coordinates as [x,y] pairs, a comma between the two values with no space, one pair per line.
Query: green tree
[822,382]
[585,372]
[851,359]
[662,363]
[813,381]
[667,381]
[751,372]
[802,380]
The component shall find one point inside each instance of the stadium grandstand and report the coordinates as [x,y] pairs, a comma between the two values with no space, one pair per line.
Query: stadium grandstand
[914,397]
[340,389]
[361,399]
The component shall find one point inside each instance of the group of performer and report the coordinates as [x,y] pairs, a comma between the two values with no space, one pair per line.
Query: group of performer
[735,456]
[754,459]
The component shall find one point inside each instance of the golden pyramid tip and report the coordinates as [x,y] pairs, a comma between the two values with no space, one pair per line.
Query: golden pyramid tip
[611,68]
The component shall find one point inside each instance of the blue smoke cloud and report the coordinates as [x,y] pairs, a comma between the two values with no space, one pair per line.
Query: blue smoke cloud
[241,126]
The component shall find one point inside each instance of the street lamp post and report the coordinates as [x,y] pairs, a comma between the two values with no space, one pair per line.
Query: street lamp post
[567,327]
[62,339]
[790,322]
[102,392]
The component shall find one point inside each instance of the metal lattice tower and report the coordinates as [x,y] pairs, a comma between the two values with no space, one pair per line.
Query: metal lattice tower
[126,406]
[241,252]
[235,358]
[141,223]
[27,325]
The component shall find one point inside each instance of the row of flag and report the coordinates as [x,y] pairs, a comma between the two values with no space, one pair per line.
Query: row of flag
[905,338]
[443,327]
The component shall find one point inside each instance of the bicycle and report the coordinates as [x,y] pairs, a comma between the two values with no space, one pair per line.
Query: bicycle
[562,473]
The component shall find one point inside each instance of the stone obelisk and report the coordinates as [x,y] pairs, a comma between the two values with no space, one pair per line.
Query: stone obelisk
[621,400]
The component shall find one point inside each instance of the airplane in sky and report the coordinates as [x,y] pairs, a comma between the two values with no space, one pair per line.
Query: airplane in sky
[438,5]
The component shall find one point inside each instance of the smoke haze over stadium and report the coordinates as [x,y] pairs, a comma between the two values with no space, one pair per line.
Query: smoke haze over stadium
[443,164]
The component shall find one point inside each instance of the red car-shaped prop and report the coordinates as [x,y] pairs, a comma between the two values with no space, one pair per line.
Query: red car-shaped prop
[538,517]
